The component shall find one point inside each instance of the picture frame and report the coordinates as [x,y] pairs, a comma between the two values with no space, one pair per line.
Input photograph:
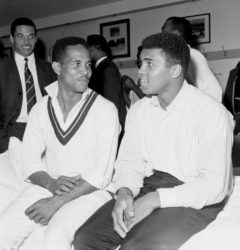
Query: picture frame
[117,34]
[201,30]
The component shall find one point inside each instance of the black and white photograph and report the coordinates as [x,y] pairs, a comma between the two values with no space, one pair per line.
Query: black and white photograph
[117,34]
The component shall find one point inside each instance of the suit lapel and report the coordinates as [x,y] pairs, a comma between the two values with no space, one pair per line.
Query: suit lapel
[13,71]
[40,75]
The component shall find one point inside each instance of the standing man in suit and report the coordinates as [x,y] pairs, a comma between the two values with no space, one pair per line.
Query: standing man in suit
[15,104]
[106,78]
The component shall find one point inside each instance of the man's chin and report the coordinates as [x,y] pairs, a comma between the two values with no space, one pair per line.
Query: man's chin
[145,91]
[25,53]
[82,90]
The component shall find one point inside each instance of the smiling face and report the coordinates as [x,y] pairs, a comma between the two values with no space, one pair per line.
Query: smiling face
[75,69]
[154,74]
[24,40]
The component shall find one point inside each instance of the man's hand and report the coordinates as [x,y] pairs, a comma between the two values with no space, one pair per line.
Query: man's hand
[123,211]
[63,184]
[143,207]
[43,210]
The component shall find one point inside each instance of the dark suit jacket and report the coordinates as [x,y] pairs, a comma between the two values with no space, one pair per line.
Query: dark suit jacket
[228,95]
[231,92]
[11,97]
[106,80]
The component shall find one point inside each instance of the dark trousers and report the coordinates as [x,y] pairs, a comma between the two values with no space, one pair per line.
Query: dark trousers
[163,229]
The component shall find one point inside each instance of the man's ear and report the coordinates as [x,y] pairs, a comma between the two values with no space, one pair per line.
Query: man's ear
[176,71]
[176,32]
[56,67]
[11,39]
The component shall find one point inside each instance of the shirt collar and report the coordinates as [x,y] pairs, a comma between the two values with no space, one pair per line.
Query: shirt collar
[20,59]
[179,102]
[52,90]
[100,60]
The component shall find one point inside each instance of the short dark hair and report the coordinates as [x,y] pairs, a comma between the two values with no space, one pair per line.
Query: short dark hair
[99,40]
[60,46]
[173,46]
[183,26]
[22,21]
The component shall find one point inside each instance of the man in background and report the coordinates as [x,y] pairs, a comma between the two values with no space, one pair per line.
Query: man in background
[199,74]
[22,81]
[106,78]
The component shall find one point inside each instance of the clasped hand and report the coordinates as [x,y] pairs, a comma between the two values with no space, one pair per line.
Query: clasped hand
[64,184]
[42,211]
[127,212]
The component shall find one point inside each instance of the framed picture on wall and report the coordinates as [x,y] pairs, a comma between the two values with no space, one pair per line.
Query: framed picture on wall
[117,34]
[200,28]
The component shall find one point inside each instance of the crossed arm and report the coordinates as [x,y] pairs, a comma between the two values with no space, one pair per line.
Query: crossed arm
[64,190]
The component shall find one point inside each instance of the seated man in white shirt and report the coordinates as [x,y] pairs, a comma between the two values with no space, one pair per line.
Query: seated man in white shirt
[76,130]
[173,167]
[199,74]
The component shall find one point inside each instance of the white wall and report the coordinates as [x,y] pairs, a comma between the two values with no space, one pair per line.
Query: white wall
[225,21]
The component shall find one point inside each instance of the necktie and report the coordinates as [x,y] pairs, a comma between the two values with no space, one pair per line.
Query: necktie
[30,91]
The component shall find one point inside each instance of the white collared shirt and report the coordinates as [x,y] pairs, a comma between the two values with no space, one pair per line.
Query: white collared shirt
[20,61]
[201,75]
[91,151]
[99,61]
[191,139]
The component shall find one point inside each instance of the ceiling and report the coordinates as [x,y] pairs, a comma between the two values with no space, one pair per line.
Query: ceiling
[11,9]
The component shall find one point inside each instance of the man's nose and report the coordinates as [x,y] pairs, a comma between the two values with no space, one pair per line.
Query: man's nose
[26,39]
[141,70]
[84,70]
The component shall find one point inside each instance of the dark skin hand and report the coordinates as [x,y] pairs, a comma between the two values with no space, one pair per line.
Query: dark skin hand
[127,212]
[64,190]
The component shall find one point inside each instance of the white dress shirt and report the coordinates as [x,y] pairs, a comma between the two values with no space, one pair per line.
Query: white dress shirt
[20,61]
[191,140]
[201,75]
[99,61]
[91,151]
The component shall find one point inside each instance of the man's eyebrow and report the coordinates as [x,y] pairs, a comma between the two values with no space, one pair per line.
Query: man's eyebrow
[146,59]
[29,34]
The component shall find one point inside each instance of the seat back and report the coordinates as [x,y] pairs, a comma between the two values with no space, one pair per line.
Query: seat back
[231,98]
[128,84]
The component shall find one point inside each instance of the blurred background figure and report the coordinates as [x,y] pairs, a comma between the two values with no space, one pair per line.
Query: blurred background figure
[106,78]
[199,73]
[2,53]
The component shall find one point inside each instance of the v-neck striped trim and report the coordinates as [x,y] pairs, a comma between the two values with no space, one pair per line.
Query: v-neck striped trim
[65,136]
